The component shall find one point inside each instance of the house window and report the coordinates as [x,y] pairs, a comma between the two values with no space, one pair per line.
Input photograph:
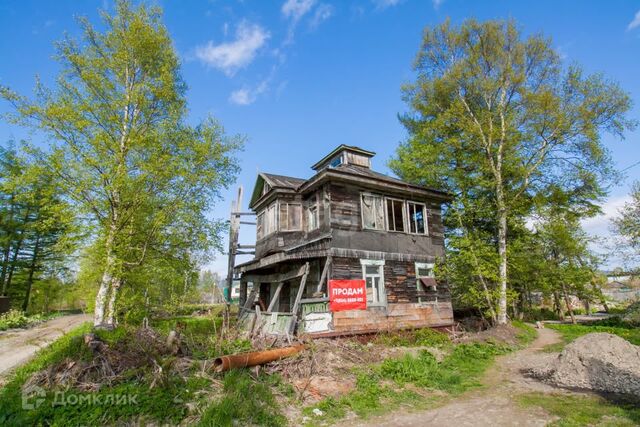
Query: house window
[336,161]
[417,218]
[290,216]
[265,188]
[372,212]
[269,223]
[373,275]
[425,279]
[312,218]
[395,215]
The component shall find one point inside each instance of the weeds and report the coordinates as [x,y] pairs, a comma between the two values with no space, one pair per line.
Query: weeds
[14,319]
[425,337]
[246,401]
[575,411]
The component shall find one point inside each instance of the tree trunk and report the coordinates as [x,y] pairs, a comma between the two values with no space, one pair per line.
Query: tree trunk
[566,301]
[107,279]
[110,313]
[558,306]
[502,253]
[32,269]
[7,249]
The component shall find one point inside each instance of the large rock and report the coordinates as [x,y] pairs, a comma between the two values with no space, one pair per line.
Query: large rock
[598,361]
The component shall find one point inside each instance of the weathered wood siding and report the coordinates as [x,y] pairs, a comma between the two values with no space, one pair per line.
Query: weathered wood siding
[348,232]
[406,306]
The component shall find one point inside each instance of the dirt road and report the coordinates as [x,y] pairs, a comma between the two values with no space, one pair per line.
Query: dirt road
[16,347]
[493,405]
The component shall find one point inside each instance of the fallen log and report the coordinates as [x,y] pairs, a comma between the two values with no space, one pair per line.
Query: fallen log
[245,360]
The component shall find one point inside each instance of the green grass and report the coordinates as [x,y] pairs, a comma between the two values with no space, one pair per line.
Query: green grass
[571,332]
[577,411]
[527,334]
[245,402]
[425,337]
[166,402]
[16,319]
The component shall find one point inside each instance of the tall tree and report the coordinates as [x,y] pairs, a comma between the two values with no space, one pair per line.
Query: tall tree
[497,115]
[627,226]
[122,147]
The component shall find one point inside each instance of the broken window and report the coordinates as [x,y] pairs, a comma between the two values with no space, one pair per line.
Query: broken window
[372,212]
[395,215]
[269,222]
[425,279]
[373,275]
[417,217]
[290,216]
[312,218]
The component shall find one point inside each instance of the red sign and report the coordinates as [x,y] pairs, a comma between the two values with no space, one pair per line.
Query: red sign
[347,295]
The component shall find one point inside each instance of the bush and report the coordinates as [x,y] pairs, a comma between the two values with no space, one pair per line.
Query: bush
[18,319]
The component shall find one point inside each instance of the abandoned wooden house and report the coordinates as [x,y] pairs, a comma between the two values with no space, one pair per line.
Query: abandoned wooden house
[346,251]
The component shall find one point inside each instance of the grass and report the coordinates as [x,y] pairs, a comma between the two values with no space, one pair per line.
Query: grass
[245,402]
[570,332]
[526,333]
[575,411]
[165,403]
[16,319]
[425,337]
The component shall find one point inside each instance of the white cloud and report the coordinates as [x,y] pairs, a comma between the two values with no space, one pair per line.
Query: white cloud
[248,95]
[601,224]
[383,4]
[296,9]
[635,23]
[231,56]
[322,13]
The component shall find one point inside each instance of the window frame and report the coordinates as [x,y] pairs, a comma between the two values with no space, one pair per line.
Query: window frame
[404,215]
[384,214]
[288,204]
[364,263]
[312,212]
[426,265]
[424,217]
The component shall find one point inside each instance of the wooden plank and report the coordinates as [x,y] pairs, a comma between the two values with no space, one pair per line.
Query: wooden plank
[324,275]
[276,295]
[274,278]
[234,230]
[296,304]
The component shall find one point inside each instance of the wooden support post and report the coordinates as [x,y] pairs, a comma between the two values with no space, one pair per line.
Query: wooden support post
[296,304]
[234,228]
[243,292]
[276,295]
[324,276]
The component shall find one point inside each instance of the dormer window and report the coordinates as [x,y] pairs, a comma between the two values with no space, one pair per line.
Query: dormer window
[336,161]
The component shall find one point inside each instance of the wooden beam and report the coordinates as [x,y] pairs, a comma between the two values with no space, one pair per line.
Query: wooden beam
[325,274]
[276,295]
[234,231]
[296,304]
[274,278]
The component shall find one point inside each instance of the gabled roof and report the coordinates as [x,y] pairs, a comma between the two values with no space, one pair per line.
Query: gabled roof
[342,147]
[275,182]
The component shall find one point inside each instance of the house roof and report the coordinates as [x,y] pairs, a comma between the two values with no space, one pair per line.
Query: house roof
[283,181]
[342,147]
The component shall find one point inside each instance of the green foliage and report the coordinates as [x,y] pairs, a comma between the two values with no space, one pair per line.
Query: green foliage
[425,337]
[627,226]
[455,374]
[19,319]
[578,411]
[246,401]
[497,119]
[527,333]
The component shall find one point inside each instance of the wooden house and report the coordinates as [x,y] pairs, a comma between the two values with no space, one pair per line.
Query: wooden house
[346,223]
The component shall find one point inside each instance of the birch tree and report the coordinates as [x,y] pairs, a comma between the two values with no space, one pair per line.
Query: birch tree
[116,120]
[499,116]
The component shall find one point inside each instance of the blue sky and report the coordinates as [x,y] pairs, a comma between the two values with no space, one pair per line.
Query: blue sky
[298,78]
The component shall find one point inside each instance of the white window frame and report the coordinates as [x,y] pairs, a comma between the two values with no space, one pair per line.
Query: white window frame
[312,213]
[268,231]
[286,226]
[424,217]
[423,265]
[380,264]
[383,226]
[404,214]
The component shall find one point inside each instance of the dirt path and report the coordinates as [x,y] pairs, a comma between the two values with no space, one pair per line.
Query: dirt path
[16,347]
[492,405]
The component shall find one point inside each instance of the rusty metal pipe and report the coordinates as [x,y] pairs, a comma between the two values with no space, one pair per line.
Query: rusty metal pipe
[244,360]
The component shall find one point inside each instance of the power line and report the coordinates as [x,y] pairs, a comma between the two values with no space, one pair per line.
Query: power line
[629,167]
